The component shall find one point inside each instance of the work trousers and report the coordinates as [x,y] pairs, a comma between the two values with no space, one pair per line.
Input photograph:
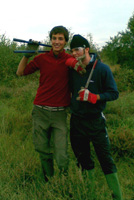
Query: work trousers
[86,130]
[50,135]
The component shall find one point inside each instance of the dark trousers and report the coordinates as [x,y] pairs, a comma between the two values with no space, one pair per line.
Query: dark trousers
[82,132]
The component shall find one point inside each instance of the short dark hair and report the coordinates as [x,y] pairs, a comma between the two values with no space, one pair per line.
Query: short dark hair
[59,29]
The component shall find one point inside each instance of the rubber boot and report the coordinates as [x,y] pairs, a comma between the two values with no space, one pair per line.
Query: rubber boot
[48,169]
[113,183]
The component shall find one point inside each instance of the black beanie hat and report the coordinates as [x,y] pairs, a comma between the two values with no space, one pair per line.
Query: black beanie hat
[79,41]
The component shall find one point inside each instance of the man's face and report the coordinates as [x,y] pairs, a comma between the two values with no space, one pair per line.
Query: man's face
[58,42]
[77,52]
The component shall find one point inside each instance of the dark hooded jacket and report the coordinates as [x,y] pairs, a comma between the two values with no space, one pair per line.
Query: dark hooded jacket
[102,83]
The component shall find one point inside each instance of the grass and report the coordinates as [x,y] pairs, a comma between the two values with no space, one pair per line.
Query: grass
[20,171]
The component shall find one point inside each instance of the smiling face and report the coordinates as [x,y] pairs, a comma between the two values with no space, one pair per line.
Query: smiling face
[58,42]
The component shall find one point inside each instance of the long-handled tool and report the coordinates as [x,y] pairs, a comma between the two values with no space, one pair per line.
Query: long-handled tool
[88,80]
[29,51]
[90,75]
[30,42]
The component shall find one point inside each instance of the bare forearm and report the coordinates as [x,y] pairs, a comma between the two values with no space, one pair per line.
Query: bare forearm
[22,66]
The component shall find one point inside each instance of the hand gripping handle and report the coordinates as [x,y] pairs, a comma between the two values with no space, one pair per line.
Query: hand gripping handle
[30,41]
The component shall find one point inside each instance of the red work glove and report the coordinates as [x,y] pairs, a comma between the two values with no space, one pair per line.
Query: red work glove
[86,95]
[76,65]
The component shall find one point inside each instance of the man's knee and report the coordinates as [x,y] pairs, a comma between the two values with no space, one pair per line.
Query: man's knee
[62,160]
[109,167]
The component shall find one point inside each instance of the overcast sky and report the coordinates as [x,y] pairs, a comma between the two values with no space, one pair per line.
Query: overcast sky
[29,19]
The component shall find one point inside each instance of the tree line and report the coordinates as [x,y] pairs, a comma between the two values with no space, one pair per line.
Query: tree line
[120,48]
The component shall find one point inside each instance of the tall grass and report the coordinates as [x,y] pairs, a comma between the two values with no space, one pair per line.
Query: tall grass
[21,177]
[20,171]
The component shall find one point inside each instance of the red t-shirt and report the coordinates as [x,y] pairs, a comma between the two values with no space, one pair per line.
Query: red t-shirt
[53,87]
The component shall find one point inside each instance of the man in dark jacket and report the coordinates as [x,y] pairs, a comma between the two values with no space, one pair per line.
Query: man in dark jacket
[87,120]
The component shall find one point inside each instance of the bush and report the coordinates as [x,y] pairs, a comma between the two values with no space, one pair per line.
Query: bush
[124,79]
[122,142]
[8,59]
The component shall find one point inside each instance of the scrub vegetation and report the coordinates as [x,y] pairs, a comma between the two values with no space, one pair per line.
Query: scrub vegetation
[20,171]
[21,177]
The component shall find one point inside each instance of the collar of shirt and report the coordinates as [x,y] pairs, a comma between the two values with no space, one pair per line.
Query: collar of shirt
[61,54]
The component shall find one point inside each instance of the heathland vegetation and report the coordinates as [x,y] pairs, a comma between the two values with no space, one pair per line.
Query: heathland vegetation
[20,171]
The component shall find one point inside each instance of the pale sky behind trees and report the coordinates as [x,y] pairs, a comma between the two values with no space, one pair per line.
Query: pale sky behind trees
[29,19]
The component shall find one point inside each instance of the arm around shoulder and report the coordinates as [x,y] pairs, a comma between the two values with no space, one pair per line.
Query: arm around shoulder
[21,67]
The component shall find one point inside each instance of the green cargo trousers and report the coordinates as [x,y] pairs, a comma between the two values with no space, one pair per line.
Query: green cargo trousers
[50,138]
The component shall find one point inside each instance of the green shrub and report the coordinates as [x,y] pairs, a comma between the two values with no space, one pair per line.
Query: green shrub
[124,79]
[121,109]
[120,122]
[122,142]
[8,59]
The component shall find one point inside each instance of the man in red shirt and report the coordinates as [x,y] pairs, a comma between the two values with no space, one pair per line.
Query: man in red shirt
[52,98]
